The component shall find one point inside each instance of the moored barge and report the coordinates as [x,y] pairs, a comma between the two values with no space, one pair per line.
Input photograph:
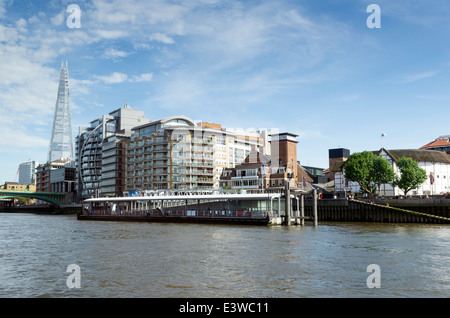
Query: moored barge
[244,209]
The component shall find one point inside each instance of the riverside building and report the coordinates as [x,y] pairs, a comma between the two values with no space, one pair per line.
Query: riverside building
[176,153]
[100,155]
[435,163]
[261,172]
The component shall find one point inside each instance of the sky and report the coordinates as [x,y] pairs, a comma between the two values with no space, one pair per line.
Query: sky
[310,67]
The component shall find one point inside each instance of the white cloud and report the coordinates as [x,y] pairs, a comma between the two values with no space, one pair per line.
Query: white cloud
[416,77]
[146,77]
[2,8]
[160,37]
[58,19]
[17,137]
[110,34]
[114,54]
[114,78]
[80,86]
[117,77]
[21,25]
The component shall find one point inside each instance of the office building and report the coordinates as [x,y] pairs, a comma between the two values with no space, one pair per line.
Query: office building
[27,172]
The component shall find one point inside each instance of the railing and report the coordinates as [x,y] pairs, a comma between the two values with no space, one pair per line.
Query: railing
[33,192]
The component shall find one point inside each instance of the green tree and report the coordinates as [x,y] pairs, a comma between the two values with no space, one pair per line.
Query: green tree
[382,173]
[411,175]
[369,171]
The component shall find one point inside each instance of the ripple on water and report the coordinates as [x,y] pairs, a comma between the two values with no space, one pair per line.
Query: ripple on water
[179,260]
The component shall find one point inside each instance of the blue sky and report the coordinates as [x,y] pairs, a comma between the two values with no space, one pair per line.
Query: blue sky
[312,68]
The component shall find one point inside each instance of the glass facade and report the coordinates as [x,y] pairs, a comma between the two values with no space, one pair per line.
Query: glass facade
[61,141]
[100,153]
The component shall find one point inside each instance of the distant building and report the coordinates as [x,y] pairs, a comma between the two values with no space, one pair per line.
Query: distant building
[27,172]
[336,157]
[56,176]
[16,186]
[61,141]
[442,143]
[317,174]
[435,163]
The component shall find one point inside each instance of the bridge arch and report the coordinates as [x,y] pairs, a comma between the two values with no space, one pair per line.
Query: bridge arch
[32,196]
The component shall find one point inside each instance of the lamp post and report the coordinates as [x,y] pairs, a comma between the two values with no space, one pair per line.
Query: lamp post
[382,135]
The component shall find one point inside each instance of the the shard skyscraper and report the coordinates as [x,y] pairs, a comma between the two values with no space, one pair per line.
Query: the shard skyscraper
[61,142]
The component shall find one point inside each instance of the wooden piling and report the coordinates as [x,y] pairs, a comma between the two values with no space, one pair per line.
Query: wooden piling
[302,210]
[287,194]
[315,220]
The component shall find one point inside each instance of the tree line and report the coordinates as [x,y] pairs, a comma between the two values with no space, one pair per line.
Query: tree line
[371,171]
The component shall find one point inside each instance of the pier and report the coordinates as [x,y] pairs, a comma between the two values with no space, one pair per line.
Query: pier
[263,209]
[381,210]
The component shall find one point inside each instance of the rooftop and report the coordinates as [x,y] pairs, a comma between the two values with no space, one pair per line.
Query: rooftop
[420,155]
[441,141]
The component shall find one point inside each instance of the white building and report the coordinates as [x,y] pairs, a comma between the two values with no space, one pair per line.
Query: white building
[435,163]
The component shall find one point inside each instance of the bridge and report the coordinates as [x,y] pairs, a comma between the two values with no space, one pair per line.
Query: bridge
[56,198]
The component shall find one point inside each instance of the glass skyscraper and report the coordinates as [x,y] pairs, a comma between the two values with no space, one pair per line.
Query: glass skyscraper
[61,142]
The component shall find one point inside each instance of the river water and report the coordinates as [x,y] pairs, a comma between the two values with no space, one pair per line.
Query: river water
[216,261]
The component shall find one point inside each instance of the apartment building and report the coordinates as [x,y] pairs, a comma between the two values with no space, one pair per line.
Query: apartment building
[260,171]
[232,146]
[100,154]
[176,153]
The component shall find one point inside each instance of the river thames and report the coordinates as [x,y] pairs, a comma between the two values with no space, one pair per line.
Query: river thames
[215,261]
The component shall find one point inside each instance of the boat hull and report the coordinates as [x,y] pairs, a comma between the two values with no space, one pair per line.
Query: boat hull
[176,219]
